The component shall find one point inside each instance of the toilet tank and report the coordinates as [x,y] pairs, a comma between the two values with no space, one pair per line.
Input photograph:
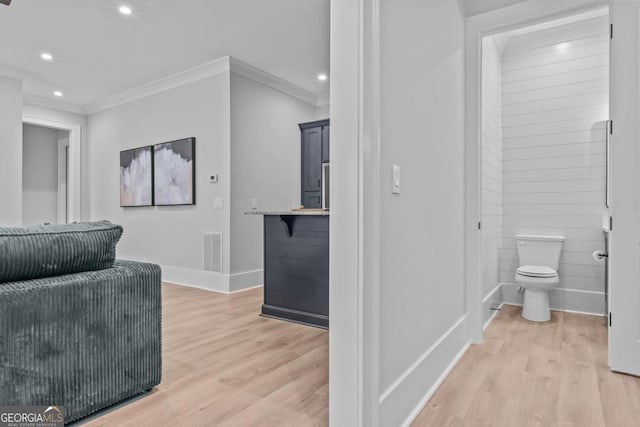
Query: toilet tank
[539,250]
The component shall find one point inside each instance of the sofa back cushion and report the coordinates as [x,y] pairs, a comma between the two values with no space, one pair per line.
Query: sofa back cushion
[53,250]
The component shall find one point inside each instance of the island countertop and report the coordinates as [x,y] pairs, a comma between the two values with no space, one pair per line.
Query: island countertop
[290,212]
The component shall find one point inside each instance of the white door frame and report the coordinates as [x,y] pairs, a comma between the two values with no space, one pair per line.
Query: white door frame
[479,26]
[354,229]
[63,165]
[75,146]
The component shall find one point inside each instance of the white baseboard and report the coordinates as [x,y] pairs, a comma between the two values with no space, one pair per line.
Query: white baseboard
[206,280]
[492,300]
[209,281]
[406,394]
[245,280]
[560,299]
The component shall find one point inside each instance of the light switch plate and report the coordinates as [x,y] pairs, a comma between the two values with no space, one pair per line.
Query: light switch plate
[218,203]
[395,189]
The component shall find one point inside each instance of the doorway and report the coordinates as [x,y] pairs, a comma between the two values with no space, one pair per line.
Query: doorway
[44,175]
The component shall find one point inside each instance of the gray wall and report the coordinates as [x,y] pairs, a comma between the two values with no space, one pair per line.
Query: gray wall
[170,236]
[265,162]
[422,295]
[11,158]
[39,175]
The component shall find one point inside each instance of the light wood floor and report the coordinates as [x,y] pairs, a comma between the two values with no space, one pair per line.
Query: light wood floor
[223,365]
[529,374]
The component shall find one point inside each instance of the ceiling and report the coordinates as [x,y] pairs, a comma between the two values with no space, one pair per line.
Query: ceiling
[99,52]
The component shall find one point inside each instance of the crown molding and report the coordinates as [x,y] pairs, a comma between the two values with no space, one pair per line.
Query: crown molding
[54,104]
[200,72]
[323,100]
[14,73]
[274,82]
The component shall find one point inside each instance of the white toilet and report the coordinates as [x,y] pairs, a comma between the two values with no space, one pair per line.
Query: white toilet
[539,257]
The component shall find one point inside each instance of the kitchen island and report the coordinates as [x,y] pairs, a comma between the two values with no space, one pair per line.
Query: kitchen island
[296,266]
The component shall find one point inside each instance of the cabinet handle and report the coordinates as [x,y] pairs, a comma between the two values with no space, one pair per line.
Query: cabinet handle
[320,183]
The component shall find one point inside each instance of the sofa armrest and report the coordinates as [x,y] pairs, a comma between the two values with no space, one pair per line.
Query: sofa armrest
[84,340]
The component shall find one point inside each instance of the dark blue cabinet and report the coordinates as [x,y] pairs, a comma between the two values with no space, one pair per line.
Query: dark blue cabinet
[315,151]
[296,268]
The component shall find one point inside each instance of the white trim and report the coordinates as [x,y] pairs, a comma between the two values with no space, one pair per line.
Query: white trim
[14,73]
[200,72]
[210,69]
[63,144]
[490,294]
[54,104]
[323,100]
[478,26]
[75,149]
[245,280]
[579,301]
[211,281]
[245,289]
[513,304]
[493,298]
[416,411]
[205,280]
[440,357]
[274,82]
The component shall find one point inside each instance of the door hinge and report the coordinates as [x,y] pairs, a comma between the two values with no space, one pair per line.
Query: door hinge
[610,323]
[610,223]
[610,127]
[611,31]
[479,225]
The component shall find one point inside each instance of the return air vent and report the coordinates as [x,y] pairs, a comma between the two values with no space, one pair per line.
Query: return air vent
[212,252]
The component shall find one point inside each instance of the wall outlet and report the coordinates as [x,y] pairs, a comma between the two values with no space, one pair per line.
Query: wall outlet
[254,204]
[218,203]
[213,178]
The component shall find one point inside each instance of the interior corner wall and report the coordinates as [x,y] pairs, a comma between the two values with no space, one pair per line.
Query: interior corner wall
[422,281]
[491,141]
[39,175]
[555,94]
[265,165]
[11,158]
[171,236]
[322,112]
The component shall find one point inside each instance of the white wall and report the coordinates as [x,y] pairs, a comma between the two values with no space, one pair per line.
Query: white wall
[475,7]
[265,165]
[169,236]
[322,112]
[422,281]
[555,104]
[11,158]
[39,175]
[491,172]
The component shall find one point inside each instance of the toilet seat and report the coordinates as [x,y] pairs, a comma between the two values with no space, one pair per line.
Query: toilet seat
[539,271]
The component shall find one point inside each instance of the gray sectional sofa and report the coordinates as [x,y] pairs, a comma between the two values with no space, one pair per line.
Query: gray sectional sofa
[78,328]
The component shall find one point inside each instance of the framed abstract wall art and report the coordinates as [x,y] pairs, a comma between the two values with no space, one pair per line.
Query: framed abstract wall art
[174,172]
[136,177]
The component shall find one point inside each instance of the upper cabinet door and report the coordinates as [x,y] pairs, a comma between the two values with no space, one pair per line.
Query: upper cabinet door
[312,159]
[325,144]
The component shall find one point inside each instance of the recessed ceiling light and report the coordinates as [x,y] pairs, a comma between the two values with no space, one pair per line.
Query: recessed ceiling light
[57,93]
[46,56]
[322,77]
[125,10]
[563,46]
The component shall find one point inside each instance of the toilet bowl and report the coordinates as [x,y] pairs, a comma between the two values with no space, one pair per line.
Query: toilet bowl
[537,273]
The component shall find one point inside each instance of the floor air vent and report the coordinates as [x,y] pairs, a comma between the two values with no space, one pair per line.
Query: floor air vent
[212,252]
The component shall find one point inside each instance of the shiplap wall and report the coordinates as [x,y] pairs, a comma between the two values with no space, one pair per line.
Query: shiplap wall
[491,170]
[554,110]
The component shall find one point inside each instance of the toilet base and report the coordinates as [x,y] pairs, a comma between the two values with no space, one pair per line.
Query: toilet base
[536,305]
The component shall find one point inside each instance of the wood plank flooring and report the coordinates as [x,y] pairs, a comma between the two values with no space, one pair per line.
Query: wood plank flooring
[223,365]
[530,374]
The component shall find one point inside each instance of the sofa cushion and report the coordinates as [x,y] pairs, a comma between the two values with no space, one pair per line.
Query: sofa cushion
[52,250]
